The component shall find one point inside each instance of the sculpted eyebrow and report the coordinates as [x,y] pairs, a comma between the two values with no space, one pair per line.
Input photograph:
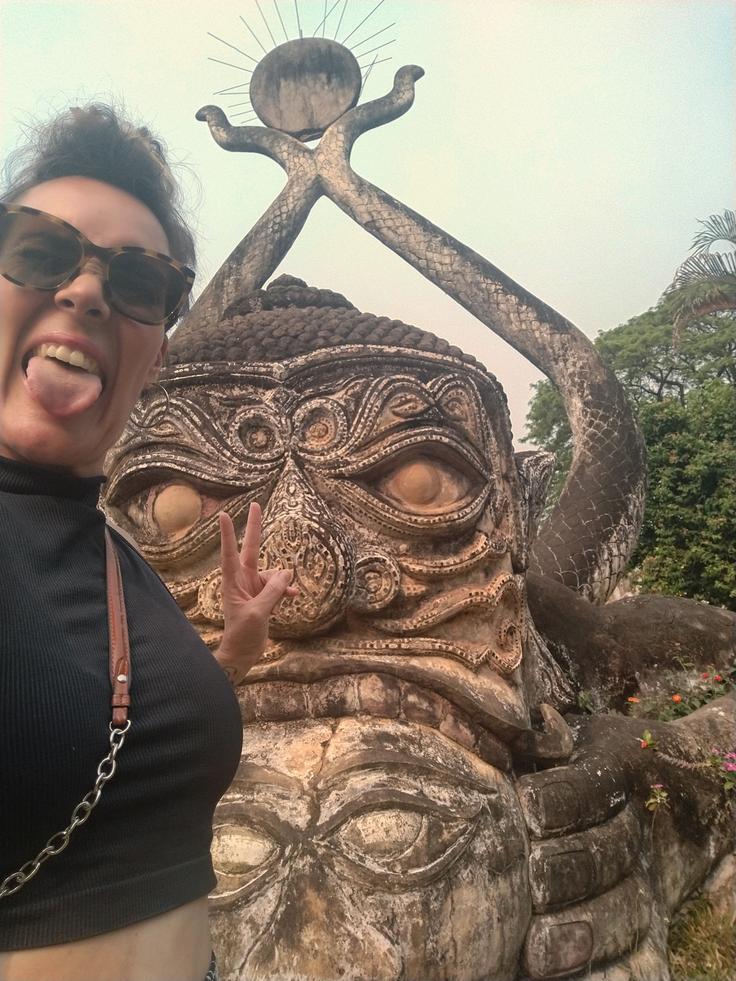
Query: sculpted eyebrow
[366,762]
[250,774]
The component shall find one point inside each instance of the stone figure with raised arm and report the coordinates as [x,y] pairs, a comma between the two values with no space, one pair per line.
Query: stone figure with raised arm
[410,802]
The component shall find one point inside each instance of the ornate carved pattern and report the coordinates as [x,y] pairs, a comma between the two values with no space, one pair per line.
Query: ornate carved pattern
[300,534]
[388,491]
[593,528]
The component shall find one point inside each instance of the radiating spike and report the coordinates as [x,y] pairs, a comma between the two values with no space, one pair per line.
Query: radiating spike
[283,28]
[298,22]
[230,89]
[236,105]
[327,14]
[384,45]
[365,77]
[339,23]
[266,23]
[362,22]
[230,65]
[254,34]
[249,57]
[380,61]
[371,36]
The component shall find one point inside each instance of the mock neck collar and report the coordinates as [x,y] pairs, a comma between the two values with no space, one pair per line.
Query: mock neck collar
[24,478]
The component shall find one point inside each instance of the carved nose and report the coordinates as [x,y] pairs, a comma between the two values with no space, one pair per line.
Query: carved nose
[300,533]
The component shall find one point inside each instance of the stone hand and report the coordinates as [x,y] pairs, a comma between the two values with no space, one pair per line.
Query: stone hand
[284,149]
[584,845]
[249,596]
[592,837]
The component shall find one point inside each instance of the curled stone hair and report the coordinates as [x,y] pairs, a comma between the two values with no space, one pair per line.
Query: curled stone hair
[290,318]
[96,141]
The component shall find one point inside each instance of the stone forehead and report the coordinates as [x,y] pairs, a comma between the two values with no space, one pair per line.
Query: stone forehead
[290,319]
[327,368]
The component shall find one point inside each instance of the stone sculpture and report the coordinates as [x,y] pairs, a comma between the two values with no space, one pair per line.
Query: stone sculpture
[410,803]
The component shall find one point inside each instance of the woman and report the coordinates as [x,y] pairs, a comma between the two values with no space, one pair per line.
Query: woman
[83,320]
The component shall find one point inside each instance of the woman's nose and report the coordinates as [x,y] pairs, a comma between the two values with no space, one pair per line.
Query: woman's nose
[84,295]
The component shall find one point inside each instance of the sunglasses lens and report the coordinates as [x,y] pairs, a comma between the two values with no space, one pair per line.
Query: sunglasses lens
[35,251]
[145,288]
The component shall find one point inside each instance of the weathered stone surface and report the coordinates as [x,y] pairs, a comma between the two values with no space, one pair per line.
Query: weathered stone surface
[405,673]
[303,86]
[566,870]
[560,944]
[617,649]
[387,820]
[397,852]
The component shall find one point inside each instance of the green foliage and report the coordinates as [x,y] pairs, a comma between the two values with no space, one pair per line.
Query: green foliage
[684,393]
[686,547]
[680,694]
[548,427]
[706,280]
[652,366]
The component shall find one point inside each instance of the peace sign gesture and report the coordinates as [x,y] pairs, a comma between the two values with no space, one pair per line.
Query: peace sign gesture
[248,596]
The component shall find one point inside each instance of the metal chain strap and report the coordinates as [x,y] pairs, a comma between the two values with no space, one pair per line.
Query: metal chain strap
[58,841]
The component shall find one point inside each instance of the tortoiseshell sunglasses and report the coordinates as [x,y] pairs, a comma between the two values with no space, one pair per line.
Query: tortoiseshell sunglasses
[44,252]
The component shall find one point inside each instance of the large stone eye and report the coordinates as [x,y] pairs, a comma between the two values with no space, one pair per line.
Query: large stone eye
[236,850]
[424,484]
[241,856]
[175,509]
[401,841]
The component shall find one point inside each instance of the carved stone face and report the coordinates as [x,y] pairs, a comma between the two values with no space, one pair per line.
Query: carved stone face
[368,849]
[390,838]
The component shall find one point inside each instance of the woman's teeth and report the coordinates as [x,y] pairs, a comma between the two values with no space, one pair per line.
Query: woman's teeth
[69,356]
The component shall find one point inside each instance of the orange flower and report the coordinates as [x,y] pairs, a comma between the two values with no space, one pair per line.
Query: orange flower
[677,698]
[632,698]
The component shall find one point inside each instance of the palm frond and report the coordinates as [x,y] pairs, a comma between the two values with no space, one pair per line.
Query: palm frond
[715,228]
[706,266]
[696,299]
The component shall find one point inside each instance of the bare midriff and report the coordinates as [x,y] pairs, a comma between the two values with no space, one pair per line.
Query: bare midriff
[174,946]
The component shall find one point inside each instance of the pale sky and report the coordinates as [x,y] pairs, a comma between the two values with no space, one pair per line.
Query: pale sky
[574,143]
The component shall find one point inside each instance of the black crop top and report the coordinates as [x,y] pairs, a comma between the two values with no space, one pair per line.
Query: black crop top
[145,848]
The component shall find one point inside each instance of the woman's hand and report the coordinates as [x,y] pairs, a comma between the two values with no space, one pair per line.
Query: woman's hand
[248,596]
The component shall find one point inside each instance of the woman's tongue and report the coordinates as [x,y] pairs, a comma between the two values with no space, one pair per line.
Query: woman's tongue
[62,391]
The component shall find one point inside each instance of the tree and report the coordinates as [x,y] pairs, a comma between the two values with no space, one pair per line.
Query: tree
[685,399]
[706,282]
[686,546]
[677,363]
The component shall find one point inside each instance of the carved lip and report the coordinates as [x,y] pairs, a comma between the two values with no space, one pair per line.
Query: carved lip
[457,672]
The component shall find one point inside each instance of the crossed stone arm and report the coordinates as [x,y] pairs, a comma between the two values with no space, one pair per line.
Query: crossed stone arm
[588,538]
[605,872]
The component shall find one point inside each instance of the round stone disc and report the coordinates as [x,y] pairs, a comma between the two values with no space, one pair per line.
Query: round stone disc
[303,86]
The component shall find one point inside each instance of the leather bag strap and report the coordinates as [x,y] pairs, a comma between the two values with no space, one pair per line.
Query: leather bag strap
[117,624]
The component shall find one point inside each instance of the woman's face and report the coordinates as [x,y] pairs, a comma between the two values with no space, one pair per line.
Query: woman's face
[53,415]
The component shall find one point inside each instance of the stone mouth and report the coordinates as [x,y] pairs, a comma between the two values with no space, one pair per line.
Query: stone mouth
[459,676]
